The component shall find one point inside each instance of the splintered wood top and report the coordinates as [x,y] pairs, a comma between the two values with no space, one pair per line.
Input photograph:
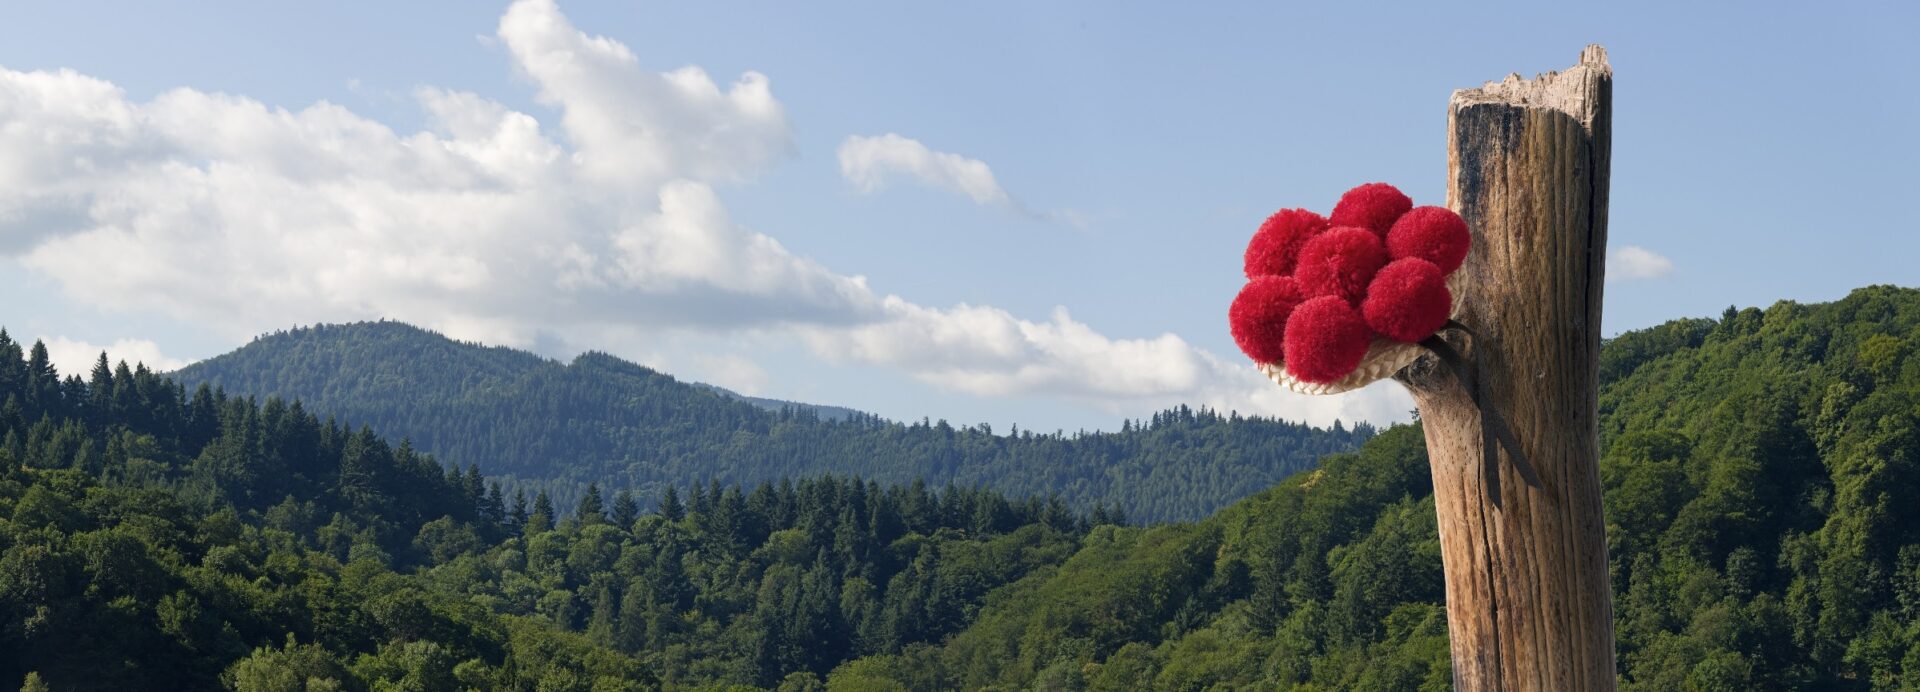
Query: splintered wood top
[1568,91]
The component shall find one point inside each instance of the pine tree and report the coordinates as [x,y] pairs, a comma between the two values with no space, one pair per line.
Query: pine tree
[625,509]
[126,396]
[541,521]
[494,511]
[100,389]
[670,507]
[517,517]
[591,510]
[601,625]
[40,372]
[476,487]
[203,418]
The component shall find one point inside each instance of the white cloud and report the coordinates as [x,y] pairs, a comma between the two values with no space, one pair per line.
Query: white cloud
[223,210]
[734,372]
[988,351]
[1635,262]
[633,127]
[869,162]
[75,357]
[491,226]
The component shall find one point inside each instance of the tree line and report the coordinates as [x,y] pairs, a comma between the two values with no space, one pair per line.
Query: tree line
[1759,472]
[541,424]
[154,539]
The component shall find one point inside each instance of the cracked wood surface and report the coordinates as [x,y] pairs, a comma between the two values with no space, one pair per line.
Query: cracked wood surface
[1529,603]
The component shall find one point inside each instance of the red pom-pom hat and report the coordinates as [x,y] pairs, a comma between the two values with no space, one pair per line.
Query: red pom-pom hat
[1325,340]
[1373,206]
[1408,300]
[1434,234]
[1258,317]
[1339,262]
[1276,246]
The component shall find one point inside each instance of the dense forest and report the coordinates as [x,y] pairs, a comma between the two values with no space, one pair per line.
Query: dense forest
[154,540]
[538,423]
[1758,471]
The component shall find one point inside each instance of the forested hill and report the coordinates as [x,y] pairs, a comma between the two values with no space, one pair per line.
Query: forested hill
[1761,474]
[601,419]
[155,539]
[832,413]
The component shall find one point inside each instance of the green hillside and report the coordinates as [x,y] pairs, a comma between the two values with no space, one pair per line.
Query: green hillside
[1761,476]
[603,420]
[1759,471]
[151,539]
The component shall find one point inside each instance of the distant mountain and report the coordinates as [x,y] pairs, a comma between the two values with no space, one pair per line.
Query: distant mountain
[1758,473]
[152,539]
[600,419]
[832,413]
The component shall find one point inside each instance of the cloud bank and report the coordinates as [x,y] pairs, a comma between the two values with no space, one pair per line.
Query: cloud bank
[1635,262]
[494,225]
[75,357]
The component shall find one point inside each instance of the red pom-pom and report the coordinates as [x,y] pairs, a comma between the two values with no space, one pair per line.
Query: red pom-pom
[1373,206]
[1259,315]
[1408,300]
[1434,234]
[1326,340]
[1276,245]
[1339,262]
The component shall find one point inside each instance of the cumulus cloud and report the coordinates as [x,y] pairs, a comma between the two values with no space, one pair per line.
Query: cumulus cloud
[869,162]
[75,357]
[1635,262]
[495,226]
[633,127]
[221,209]
[990,352]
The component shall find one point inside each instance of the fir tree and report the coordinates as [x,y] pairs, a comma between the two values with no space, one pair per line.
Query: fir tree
[625,509]
[541,520]
[591,510]
[517,516]
[670,507]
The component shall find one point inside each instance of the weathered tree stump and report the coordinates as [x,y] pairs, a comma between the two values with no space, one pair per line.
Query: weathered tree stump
[1529,605]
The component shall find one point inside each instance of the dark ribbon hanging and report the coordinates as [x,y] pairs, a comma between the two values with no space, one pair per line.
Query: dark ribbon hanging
[1494,432]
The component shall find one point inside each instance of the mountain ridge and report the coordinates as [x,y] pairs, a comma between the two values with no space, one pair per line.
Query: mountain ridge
[600,419]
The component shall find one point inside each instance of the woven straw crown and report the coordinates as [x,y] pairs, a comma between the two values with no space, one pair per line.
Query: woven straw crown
[1384,358]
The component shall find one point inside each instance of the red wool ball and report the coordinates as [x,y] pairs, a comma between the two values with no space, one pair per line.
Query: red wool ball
[1276,245]
[1326,340]
[1339,262]
[1434,234]
[1408,300]
[1373,206]
[1259,315]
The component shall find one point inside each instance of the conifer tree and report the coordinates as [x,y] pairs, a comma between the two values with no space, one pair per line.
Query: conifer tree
[591,509]
[625,509]
[670,507]
[541,520]
[517,516]
[100,389]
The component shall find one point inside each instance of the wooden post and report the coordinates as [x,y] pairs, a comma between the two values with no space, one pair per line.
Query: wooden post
[1529,605]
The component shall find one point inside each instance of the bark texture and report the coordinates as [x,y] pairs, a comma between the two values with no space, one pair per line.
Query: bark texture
[1529,605]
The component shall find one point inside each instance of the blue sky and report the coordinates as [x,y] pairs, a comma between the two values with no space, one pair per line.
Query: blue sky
[1763,153]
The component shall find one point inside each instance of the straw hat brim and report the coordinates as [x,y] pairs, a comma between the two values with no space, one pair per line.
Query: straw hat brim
[1384,358]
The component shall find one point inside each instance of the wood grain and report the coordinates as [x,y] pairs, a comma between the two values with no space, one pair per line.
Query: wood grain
[1529,605]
